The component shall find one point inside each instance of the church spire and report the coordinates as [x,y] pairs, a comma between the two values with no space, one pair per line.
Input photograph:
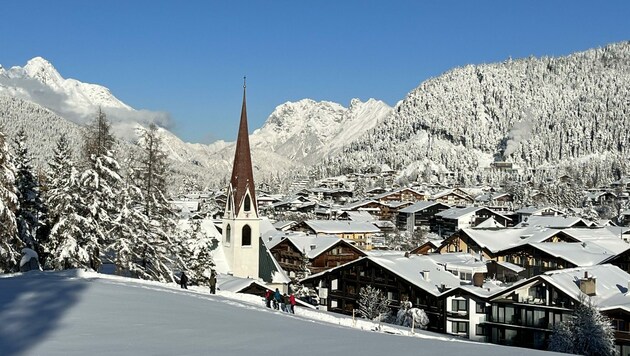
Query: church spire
[242,180]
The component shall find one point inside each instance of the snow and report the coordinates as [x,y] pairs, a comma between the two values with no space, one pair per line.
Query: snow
[27,255]
[78,313]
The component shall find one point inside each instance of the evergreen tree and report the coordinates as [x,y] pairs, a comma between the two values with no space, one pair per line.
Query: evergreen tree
[372,303]
[70,245]
[588,333]
[98,139]
[157,250]
[10,243]
[196,253]
[31,206]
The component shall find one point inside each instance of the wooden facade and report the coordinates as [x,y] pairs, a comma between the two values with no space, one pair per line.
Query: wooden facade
[291,259]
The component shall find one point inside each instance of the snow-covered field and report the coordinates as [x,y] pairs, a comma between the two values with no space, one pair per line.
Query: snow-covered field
[83,313]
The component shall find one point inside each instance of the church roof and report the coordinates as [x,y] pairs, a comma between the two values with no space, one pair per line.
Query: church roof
[242,175]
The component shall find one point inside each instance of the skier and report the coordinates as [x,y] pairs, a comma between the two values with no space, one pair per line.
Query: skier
[183,281]
[292,303]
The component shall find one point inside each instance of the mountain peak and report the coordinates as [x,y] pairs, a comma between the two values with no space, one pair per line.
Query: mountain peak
[42,70]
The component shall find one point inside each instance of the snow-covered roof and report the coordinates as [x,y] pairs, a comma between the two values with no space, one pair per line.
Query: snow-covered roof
[338,226]
[554,221]
[359,216]
[235,284]
[579,254]
[611,285]
[419,206]
[489,222]
[451,191]
[312,245]
[358,204]
[534,210]
[457,213]
[511,266]
[279,225]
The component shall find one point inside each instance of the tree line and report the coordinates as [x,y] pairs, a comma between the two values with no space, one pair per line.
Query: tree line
[105,208]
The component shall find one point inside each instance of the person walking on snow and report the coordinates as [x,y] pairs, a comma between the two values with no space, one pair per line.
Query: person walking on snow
[268,298]
[183,281]
[213,282]
[292,303]
[277,297]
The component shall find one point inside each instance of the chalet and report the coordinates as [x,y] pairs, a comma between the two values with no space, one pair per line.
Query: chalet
[496,200]
[185,207]
[420,215]
[525,313]
[449,221]
[295,203]
[284,225]
[535,211]
[453,197]
[417,279]
[375,191]
[297,252]
[358,233]
[430,246]
[401,195]
[599,198]
[266,200]
[383,211]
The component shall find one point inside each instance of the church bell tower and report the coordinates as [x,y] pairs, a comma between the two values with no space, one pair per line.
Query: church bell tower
[241,223]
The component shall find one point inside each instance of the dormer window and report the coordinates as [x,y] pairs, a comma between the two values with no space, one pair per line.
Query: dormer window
[247,205]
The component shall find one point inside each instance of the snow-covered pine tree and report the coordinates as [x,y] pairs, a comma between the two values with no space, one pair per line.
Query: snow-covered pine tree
[67,246]
[373,303]
[10,243]
[31,206]
[98,139]
[101,180]
[196,253]
[150,175]
[588,332]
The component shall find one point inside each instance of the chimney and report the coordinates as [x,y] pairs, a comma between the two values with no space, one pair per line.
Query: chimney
[588,285]
[425,273]
[478,279]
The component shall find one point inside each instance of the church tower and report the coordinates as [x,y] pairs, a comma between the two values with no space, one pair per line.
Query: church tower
[241,223]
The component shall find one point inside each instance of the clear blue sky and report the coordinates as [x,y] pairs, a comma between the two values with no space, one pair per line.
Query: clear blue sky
[188,57]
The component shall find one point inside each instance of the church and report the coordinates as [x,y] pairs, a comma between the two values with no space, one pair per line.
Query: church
[246,254]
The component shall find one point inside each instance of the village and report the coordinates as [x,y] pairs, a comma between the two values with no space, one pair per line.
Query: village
[480,266]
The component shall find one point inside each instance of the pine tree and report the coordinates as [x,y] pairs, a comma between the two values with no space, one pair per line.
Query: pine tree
[373,303]
[196,253]
[68,246]
[10,243]
[31,205]
[98,139]
[157,250]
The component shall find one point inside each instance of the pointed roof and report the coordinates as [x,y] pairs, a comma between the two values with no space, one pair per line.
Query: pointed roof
[242,174]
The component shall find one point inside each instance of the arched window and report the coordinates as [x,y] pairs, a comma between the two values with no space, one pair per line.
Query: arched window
[248,203]
[229,207]
[228,234]
[247,235]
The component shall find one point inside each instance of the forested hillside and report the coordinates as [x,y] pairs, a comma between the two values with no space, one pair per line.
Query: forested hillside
[536,112]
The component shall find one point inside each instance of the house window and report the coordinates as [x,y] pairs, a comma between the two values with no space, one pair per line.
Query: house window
[247,205]
[480,330]
[459,305]
[228,234]
[334,285]
[480,308]
[247,235]
[459,327]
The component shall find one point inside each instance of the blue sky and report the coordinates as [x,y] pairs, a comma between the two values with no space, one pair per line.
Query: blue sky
[188,57]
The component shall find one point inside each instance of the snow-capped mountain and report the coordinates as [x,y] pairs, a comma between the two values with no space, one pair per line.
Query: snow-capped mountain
[39,82]
[307,131]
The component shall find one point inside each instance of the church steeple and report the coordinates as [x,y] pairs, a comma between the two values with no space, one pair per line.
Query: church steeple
[242,186]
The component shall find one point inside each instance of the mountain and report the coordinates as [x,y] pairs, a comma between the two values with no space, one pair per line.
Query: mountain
[537,113]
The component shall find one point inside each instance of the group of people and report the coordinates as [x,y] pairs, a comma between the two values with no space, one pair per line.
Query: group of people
[183,281]
[284,302]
